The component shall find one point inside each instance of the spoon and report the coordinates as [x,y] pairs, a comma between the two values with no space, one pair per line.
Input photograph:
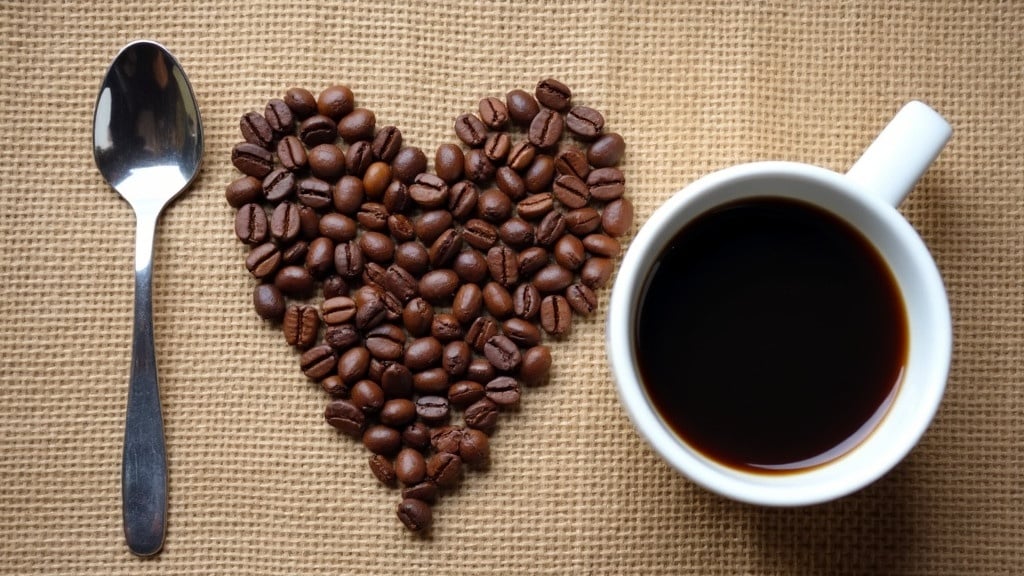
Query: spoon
[147,143]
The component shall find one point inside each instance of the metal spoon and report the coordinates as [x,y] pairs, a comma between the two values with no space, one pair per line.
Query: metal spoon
[148,144]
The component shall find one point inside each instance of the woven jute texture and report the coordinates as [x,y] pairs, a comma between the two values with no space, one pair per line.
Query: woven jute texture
[260,485]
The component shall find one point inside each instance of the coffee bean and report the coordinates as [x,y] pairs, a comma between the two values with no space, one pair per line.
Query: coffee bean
[338,310]
[393,307]
[401,227]
[455,358]
[396,381]
[617,217]
[433,410]
[337,227]
[446,439]
[606,184]
[493,113]
[423,353]
[552,278]
[410,466]
[581,298]
[382,440]
[370,310]
[382,468]
[438,286]
[326,162]
[429,225]
[373,216]
[279,185]
[540,173]
[444,469]
[243,190]
[295,254]
[497,300]
[531,260]
[444,250]
[480,332]
[425,491]
[359,157]
[396,198]
[334,285]
[482,415]
[386,342]
[279,116]
[268,302]
[551,228]
[474,447]
[301,102]
[471,266]
[517,233]
[502,353]
[263,260]
[352,367]
[467,303]
[357,125]
[445,327]
[555,315]
[318,362]
[573,162]
[554,94]
[602,245]
[294,281]
[348,195]
[284,222]
[480,370]
[569,252]
[504,391]
[256,130]
[494,206]
[480,234]
[301,326]
[521,155]
[526,301]
[522,107]
[582,221]
[465,392]
[462,200]
[503,265]
[429,191]
[478,167]
[470,130]
[376,179]
[415,514]
[309,222]
[586,123]
[413,257]
[314,192]
[401,283]
[376,246]
[342,337]
[334,386]
[535,206]
[335,101]
[252,160]
[535,366]
[449,162]
[408,163]
[596,272]
[417,436]
[606,151]
[571,192]
[432,381]
[546,129]
[524,334]
[346,417]
[417,317]
[316,130]
[509,182]
[387,143]
[348,259]
[496,147]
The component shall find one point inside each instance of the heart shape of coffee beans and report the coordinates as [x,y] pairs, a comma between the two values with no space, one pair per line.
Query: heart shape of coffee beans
[415,297]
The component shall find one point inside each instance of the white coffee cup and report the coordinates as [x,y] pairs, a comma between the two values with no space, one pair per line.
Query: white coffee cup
[865,197]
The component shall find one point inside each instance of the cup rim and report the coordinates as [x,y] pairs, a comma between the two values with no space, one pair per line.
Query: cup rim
[796,488]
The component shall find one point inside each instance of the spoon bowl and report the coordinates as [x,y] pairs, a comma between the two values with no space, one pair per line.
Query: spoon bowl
[148,145]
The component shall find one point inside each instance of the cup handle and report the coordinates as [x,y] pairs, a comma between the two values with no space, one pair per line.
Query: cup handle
[901,153]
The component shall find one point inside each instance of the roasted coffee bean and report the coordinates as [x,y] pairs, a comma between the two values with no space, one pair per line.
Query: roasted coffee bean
[387,143]
[480,371]
[555,315]
[503,391]
[425,491]
[301,326]
[413,257]
[386,342]
[309,222]
[617,217]
[416,435]
[582,221]
[586,123]
[535,365]
[396,198]
[334,386]
[517,233]
[318,362]
[438,286]
[569,252]
[606,184]
[326,162]
[521,155]
[444,250]
[423,353]
[456,357]
[581,298]
[279,116]
[352,367]
[429,191]
[474,447]
[482,415]
[410,466]
[497,300]
[337,227]
[596,272]
[602,245]
[268,302]
[551,228]
[417,317]
[376,179]
[342,337]
[449,162]
[408,163]
[396,381]
[256,130]
[502,352]
[320,257]
[316,130]
[263,260]
[334,285]
[465,392]
[571,192]
[524,334]
[357,125]
[335,101]
[433,410]
[431,224]
[531,260]
[251,224]
[292,154]
[314,192]
[373,216]
[467,303]
[480,234]
[294,281]
[494,206]
[446,439]
[401,283]
[348,259]
[471,266]
[522,107]
[376,246]
[415,514]
[480,331]
[444,469]
[540,173]
[359,158]
[470,130]
[432,381]
[503,265]
[348,195]
[478,167]
[370,310]
[295,254]
[244,190]
[546,129]
[338,310]
[552,278]
[301,101]
[493,113]
[526,301]
[462,199]
[346,417]
[279,185]
[509,182]
[382,468]
[445,327]
[398,412]
[554,94]
[284,222]
[383,440]
[606,151]
[535,206]
[573,162]
[393,307]
[496,147]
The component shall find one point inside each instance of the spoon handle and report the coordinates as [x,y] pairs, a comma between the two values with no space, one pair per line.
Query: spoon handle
[144,462]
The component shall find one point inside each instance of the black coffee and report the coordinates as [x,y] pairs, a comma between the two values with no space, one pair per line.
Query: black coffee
[771,335]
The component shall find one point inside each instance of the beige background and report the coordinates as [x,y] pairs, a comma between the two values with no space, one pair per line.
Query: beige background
[259,485]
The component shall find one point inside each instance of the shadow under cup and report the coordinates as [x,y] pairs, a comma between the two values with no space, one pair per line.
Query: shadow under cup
[784,455]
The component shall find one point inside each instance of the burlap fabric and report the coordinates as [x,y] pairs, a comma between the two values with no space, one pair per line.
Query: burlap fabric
[258,483]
